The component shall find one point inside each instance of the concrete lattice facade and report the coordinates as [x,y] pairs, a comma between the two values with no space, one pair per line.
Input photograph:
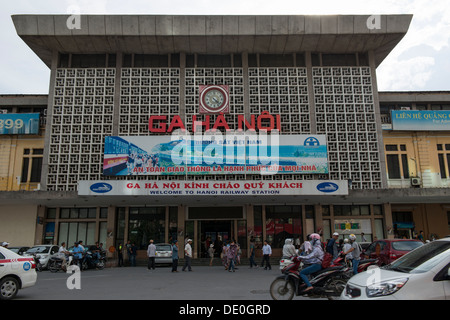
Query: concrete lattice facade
[313,94]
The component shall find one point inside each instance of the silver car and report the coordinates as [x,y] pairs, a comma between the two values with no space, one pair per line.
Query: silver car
[163,253]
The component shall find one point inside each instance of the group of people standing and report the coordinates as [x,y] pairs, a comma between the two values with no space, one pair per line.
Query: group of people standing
[349,248]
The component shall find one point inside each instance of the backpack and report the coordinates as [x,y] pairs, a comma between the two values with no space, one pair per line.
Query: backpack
[327,258]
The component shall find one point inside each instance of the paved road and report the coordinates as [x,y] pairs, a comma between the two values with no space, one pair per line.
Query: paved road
[138,283]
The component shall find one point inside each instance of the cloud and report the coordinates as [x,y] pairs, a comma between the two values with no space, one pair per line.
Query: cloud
[403,69]
[405,75]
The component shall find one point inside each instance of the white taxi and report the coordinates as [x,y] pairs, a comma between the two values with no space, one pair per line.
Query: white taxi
[16,272]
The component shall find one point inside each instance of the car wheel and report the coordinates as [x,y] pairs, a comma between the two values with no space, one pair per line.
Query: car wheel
[8,288]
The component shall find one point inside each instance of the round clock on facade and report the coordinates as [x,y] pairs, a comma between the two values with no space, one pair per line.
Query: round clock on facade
[214,99]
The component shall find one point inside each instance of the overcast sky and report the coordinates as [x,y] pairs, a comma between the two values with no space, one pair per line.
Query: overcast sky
[421,62]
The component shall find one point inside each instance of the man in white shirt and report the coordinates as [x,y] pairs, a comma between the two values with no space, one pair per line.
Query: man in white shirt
[267,252]
[63,253]
[151,254]
[187,256]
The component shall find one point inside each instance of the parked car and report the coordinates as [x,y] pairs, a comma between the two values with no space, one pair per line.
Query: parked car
[16,272]
[19,250]
[421,274]
[43,252]
[163,253]
[364,245]
[388,250]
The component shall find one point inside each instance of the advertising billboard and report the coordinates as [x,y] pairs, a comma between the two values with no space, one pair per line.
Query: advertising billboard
[19,123]
[420,120]
[215,154]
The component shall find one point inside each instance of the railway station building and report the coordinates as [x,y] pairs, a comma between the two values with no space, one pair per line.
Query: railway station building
[220,127]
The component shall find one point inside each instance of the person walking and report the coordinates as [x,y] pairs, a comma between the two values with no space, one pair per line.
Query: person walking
[224,255]
[231,256]
[175,256]
[267,252]
[252,253]
[133,254]
[211,254]
[128,247]
[187,256]
[332,245]
[151,254]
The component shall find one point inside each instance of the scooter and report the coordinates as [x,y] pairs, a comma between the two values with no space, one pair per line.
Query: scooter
[328,282]
[37,262]
[91,262]
[284,262]
[56,263]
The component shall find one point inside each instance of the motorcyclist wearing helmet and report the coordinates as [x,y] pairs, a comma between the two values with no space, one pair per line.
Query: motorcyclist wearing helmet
[356,252]
[289,249]
[314,259]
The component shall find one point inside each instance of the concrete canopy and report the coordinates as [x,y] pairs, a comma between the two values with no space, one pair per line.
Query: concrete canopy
[212,34]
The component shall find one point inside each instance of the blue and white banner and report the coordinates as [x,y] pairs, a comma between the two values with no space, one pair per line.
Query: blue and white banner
[212,188]
[420,120]
[215,154]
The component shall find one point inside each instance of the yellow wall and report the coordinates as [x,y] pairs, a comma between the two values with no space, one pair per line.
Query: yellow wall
[420,146]
[18,224]
[11,159]
[429,217]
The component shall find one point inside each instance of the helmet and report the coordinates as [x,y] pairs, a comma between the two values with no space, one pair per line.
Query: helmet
[352,237]
[315,236]
[345,240]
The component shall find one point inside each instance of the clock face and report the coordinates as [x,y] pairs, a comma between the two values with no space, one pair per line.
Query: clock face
[213,99]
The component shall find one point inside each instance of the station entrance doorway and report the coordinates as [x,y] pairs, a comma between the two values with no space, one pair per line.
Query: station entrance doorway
[214,225]
[214,232]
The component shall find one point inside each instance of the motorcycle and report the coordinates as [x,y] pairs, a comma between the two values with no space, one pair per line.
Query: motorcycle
[284,262]
[37,262]
[328,282]
[89,261]
[55,263]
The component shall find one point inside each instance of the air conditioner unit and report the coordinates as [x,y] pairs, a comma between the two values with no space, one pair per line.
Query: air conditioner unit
[415,181]
[405,108]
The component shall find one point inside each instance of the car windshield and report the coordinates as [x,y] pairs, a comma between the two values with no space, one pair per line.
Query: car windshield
[406,245]
[15,250]
[163,248]
[423,258]
[39,249]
